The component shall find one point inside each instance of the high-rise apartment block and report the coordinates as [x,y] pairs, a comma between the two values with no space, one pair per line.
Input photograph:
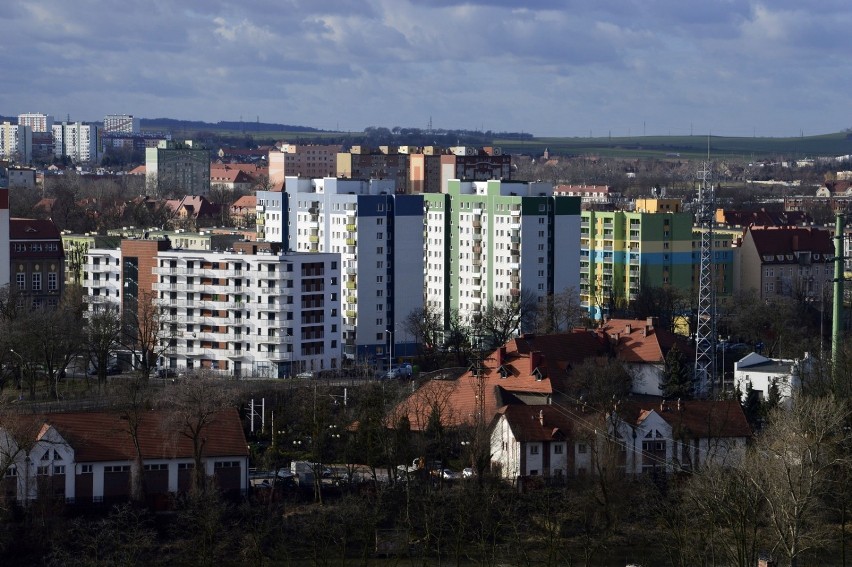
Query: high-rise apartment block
[654,246]
[121,124]
[497,241]
[180,168]
[75,141]
[36,121]
[379,236]
[253,310]
[296,160]
[16,142]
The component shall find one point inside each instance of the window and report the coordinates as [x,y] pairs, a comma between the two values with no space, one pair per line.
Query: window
[581,448]
[85,469]
[557,449]
[533,449]
[36,281]
[59,469]
[21,279]
[226,465]
[43,470]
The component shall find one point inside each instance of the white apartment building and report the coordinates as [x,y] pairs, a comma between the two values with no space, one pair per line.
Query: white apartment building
[271,218]
[121,124]
[16,142]
[252,311]
[379,236]
[495,241]
[102,282]
[262,314]
[76,141]
[37,121]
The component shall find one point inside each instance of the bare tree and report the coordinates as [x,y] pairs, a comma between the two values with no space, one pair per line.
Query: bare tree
[426,327]
[193,404]
[500,322]
[145,332]
[561,312]
[102,332]
[791,468]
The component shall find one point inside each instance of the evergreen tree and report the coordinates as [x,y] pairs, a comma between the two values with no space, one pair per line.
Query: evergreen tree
[677,379]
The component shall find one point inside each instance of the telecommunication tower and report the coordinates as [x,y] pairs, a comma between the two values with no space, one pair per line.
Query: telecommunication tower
[705,332]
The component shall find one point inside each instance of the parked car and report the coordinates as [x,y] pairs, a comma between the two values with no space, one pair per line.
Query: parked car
[448,474]
[167,373]
[305,375]
[400,371]
[468,472]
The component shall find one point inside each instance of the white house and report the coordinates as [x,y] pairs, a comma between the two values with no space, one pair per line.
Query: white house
[538,441]
[87,457]
[679,435]
[762,372]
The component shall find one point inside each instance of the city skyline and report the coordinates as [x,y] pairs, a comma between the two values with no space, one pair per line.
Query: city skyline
[558,68]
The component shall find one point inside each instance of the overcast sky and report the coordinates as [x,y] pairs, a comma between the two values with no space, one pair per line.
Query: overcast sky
[550,68]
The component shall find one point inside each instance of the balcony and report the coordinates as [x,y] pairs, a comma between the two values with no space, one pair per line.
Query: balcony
[351,227]
[351,285]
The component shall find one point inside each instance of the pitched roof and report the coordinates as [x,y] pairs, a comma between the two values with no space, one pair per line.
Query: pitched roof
[245,202]
[775,240]
[762,218]
[33,229]
[639,340]
[538,423]
[529,365]
[692,418]
[103,436]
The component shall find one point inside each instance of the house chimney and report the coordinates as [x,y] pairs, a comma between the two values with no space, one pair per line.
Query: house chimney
[535,359]
[541,417]
[501,355]
[649,322]
[628,329]
[678,404]
[662,405]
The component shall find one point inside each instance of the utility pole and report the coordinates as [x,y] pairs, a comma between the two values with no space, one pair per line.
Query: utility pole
[837,312]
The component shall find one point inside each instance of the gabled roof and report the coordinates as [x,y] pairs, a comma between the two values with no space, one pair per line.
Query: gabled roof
[245,202]
[639,340]
[138,170]
[776,240]
[692,418]
[529,366]
[538,423]
[97,436]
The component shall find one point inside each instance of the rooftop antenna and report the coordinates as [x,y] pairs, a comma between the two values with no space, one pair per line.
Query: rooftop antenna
[705,332]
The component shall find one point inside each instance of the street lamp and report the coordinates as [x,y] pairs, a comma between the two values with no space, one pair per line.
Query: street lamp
[390,348]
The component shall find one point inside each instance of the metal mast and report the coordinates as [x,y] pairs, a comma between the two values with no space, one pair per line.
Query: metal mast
[705,332]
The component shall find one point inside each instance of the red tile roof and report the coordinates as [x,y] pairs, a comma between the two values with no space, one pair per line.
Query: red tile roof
[539,423]
[775,240]
[693,418]
[763,218]
[530,365]
[99,436]
[637,340]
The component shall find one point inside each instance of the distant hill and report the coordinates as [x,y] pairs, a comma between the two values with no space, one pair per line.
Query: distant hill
[172,124]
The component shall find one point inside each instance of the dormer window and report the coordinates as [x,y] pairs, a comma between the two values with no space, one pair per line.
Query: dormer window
[504,372]
[539,375]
